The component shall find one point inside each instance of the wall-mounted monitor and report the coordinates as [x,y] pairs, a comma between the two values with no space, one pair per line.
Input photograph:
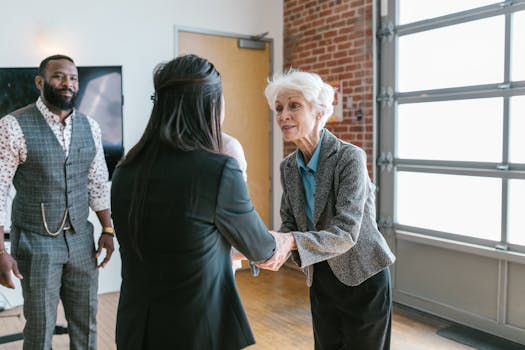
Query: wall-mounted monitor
[99,97]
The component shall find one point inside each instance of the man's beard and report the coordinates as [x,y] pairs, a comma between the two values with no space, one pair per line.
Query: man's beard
[54,98]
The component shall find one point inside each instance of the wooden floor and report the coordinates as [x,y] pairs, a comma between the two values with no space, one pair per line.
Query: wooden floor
[278,308]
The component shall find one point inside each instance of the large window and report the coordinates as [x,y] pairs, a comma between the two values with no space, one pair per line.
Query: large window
[517,129]
[469,53]
[516,211]
[450,203]
[417,10]
[445,130]
[518,46]
[457,112]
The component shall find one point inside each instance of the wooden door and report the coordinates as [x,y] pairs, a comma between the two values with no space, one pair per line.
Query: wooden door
[244,75]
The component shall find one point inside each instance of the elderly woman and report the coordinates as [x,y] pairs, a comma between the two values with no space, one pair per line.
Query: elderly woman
[328,218]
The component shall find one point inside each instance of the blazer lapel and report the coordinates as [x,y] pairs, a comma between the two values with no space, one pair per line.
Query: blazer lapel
[296,193]
[325,172]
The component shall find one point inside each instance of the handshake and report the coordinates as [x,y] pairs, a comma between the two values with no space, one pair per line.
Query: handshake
[284,244]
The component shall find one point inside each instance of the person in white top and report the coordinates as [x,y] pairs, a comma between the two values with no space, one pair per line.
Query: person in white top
[232,147]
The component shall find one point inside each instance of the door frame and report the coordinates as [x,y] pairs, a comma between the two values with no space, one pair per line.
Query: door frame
[177,30]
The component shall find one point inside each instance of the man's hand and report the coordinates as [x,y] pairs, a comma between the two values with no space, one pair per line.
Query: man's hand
[105,242]
[285,243]
[8,264]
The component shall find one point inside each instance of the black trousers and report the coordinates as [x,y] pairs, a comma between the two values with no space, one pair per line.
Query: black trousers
[350,318]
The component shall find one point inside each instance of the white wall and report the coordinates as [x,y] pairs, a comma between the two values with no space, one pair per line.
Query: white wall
[136,35]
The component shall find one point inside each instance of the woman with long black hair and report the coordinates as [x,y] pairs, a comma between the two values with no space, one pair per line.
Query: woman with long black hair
[179,205]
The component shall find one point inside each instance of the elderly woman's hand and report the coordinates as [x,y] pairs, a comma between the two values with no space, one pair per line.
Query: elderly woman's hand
[285,243]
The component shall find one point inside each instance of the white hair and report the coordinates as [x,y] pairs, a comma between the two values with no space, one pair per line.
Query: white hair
[316,92]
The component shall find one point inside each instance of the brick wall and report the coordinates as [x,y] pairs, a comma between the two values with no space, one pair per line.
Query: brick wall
[334,38]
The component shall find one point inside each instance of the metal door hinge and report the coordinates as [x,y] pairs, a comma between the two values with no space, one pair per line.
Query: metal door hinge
[386,96]
[386,30]
[385,161]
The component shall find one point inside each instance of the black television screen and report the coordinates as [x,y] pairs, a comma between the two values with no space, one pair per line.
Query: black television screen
[99,96]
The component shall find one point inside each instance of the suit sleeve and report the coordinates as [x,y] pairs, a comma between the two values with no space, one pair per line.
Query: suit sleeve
[342,232]
[237,219]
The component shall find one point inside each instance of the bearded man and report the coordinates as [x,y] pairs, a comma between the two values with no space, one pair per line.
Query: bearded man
[53,155]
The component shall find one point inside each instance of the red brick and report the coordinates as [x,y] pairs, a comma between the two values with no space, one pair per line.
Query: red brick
[335,39]
[330,34]
[326,57]
[339,54]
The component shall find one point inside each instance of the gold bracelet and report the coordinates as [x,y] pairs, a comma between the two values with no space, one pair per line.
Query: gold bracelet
[109,230]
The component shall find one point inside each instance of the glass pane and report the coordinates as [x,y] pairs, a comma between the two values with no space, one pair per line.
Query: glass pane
[516,228]
[450,203]
[417,10]
[443,130]
[518,46]
[460,55]
[517,126]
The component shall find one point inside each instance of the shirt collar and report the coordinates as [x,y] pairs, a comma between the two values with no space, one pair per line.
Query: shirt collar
[50,116]
[312,164]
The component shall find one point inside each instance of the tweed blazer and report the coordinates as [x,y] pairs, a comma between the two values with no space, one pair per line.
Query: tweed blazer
[346,233]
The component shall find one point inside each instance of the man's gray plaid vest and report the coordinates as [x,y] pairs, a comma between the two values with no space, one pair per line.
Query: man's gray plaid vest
[48,182]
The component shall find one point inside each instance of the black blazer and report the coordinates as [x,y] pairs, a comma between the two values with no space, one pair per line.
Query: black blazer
[183,294]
